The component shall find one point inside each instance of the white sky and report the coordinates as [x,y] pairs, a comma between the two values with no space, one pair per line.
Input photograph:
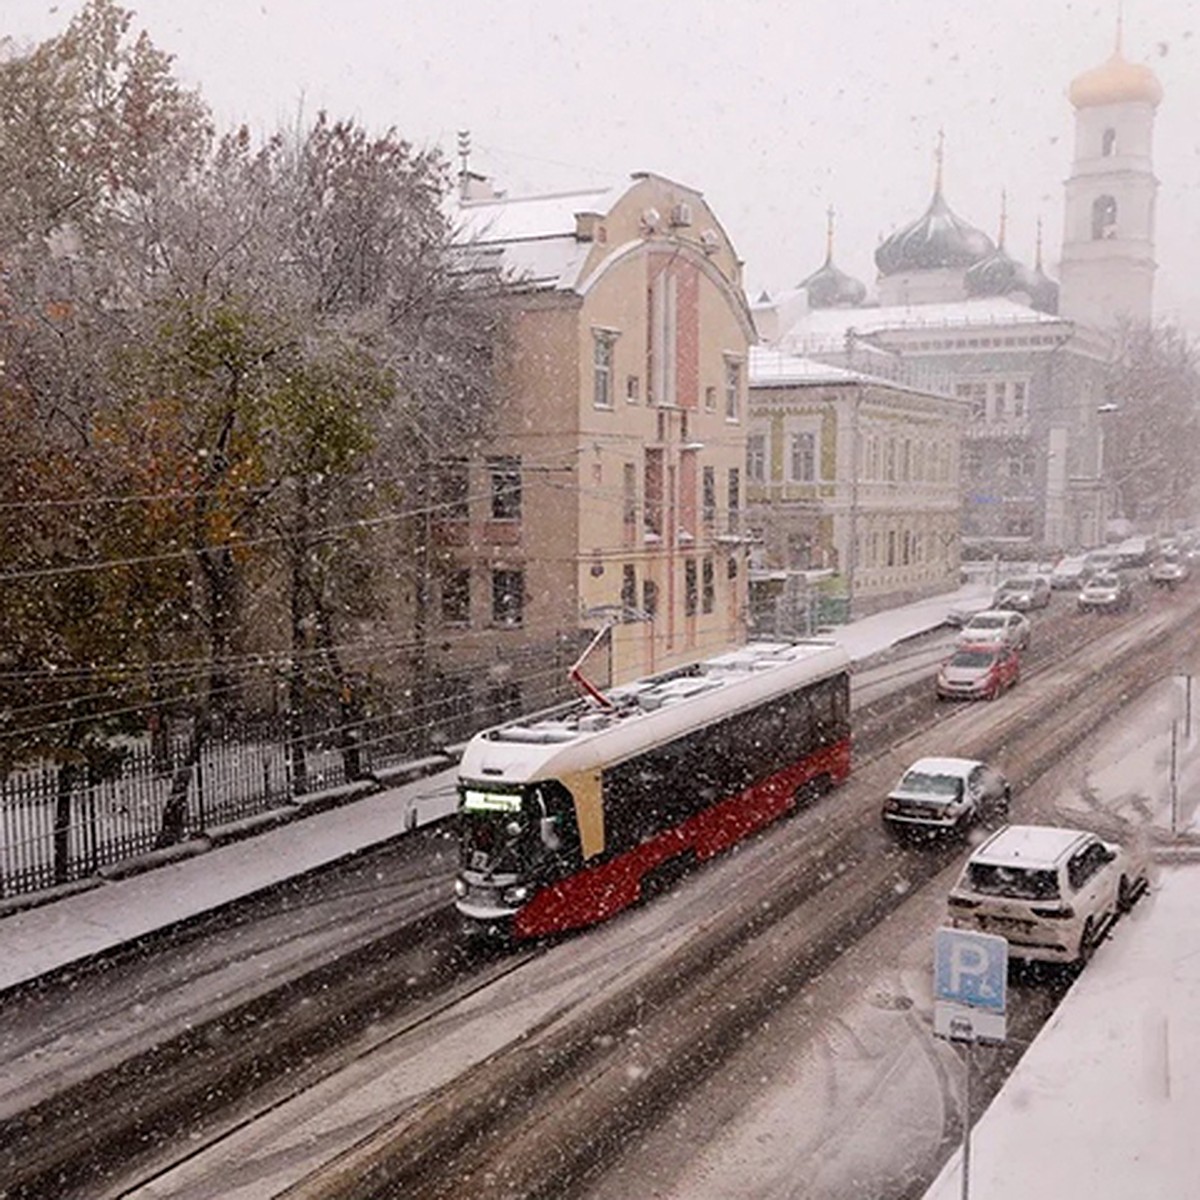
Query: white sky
[775,109]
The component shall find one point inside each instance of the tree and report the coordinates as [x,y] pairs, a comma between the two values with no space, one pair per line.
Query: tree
[1152,431]
[228,370]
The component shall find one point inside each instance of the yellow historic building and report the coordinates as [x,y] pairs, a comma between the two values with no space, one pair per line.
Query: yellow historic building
[611,493]
[853,486]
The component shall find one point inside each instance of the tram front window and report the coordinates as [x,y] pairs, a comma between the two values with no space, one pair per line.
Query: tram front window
[497,833]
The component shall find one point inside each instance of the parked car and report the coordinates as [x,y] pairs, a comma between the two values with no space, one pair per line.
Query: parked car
[1069,573]
[1022,593]
[1106,592]
[996,626]
[1053,893]
[1169,571]
[937,795]
[978,672]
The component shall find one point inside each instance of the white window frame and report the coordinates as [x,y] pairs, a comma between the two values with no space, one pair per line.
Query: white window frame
[808,457]
[734,376]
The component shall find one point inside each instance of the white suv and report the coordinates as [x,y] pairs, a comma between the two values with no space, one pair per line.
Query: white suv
[1053,893]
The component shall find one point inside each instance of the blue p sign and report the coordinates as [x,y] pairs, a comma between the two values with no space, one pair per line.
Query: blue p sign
[970,968]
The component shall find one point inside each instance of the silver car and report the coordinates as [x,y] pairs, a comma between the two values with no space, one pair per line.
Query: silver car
[996,627]
[946,795]
[1022,593]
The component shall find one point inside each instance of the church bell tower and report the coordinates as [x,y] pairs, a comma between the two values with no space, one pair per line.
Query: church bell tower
[1107,269]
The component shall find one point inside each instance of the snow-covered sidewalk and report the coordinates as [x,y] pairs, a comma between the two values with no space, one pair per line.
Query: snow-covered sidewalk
[1104,1102]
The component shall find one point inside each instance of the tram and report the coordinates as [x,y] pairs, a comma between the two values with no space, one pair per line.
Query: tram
[570,815]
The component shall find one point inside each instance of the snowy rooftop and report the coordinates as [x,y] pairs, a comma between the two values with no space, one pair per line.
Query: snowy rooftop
[535,235]
[777,368]
[827,327]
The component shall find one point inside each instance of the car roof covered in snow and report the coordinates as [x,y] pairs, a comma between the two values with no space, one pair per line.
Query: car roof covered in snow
[959,768]
[1042,846]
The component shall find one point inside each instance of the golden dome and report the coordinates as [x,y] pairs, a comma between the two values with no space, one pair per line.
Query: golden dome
[1117,81]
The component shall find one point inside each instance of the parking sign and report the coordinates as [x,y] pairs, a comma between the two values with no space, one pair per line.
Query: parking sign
[970,975]
[970,968]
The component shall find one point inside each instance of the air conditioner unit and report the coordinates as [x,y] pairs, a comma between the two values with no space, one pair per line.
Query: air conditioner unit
[681,214]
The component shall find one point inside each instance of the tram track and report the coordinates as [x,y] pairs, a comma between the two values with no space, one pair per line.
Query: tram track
[322,1019]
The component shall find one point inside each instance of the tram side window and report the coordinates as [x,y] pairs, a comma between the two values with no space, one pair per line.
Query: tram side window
[671,783]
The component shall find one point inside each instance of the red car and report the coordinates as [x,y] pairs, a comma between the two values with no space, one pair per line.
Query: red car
[978,673]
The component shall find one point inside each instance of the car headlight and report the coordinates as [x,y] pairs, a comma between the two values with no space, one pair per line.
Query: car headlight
[517,894]
[460,888]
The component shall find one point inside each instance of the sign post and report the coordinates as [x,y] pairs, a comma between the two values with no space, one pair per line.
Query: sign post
[970,987]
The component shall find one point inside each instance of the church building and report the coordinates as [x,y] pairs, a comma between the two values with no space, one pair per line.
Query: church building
[956,313]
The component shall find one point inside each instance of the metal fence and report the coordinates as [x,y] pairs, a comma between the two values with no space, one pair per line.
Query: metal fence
[60,823]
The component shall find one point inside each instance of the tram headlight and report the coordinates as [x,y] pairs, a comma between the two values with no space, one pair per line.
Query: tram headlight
[460,888]
[517,894]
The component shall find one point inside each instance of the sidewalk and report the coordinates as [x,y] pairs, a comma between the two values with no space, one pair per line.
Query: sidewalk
[37,941]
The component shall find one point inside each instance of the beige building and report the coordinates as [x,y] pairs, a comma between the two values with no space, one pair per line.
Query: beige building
[612,490]
[853,489]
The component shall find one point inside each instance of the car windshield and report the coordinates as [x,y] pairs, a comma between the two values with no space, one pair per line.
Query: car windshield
[1017,585]
[973,658]
[987,622]
[1014,883]
[1105,581]
[945,786]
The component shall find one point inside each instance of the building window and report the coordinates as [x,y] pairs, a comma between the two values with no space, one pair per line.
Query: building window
[691,590]
[633,389]
[650,598]
[602,367]
[1104,218]
[453,490]
[1018,401]
[999,401]
[804,457]
[709,496]
[506,488]
[1108,143]
[652,492]
[629,498]
[735,499]
[1020,466]
[710,399]
[708,586]
[628,589]
[975,394]
[756,457]
[733,389]
[889,460]
[456,598]
[508,598]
